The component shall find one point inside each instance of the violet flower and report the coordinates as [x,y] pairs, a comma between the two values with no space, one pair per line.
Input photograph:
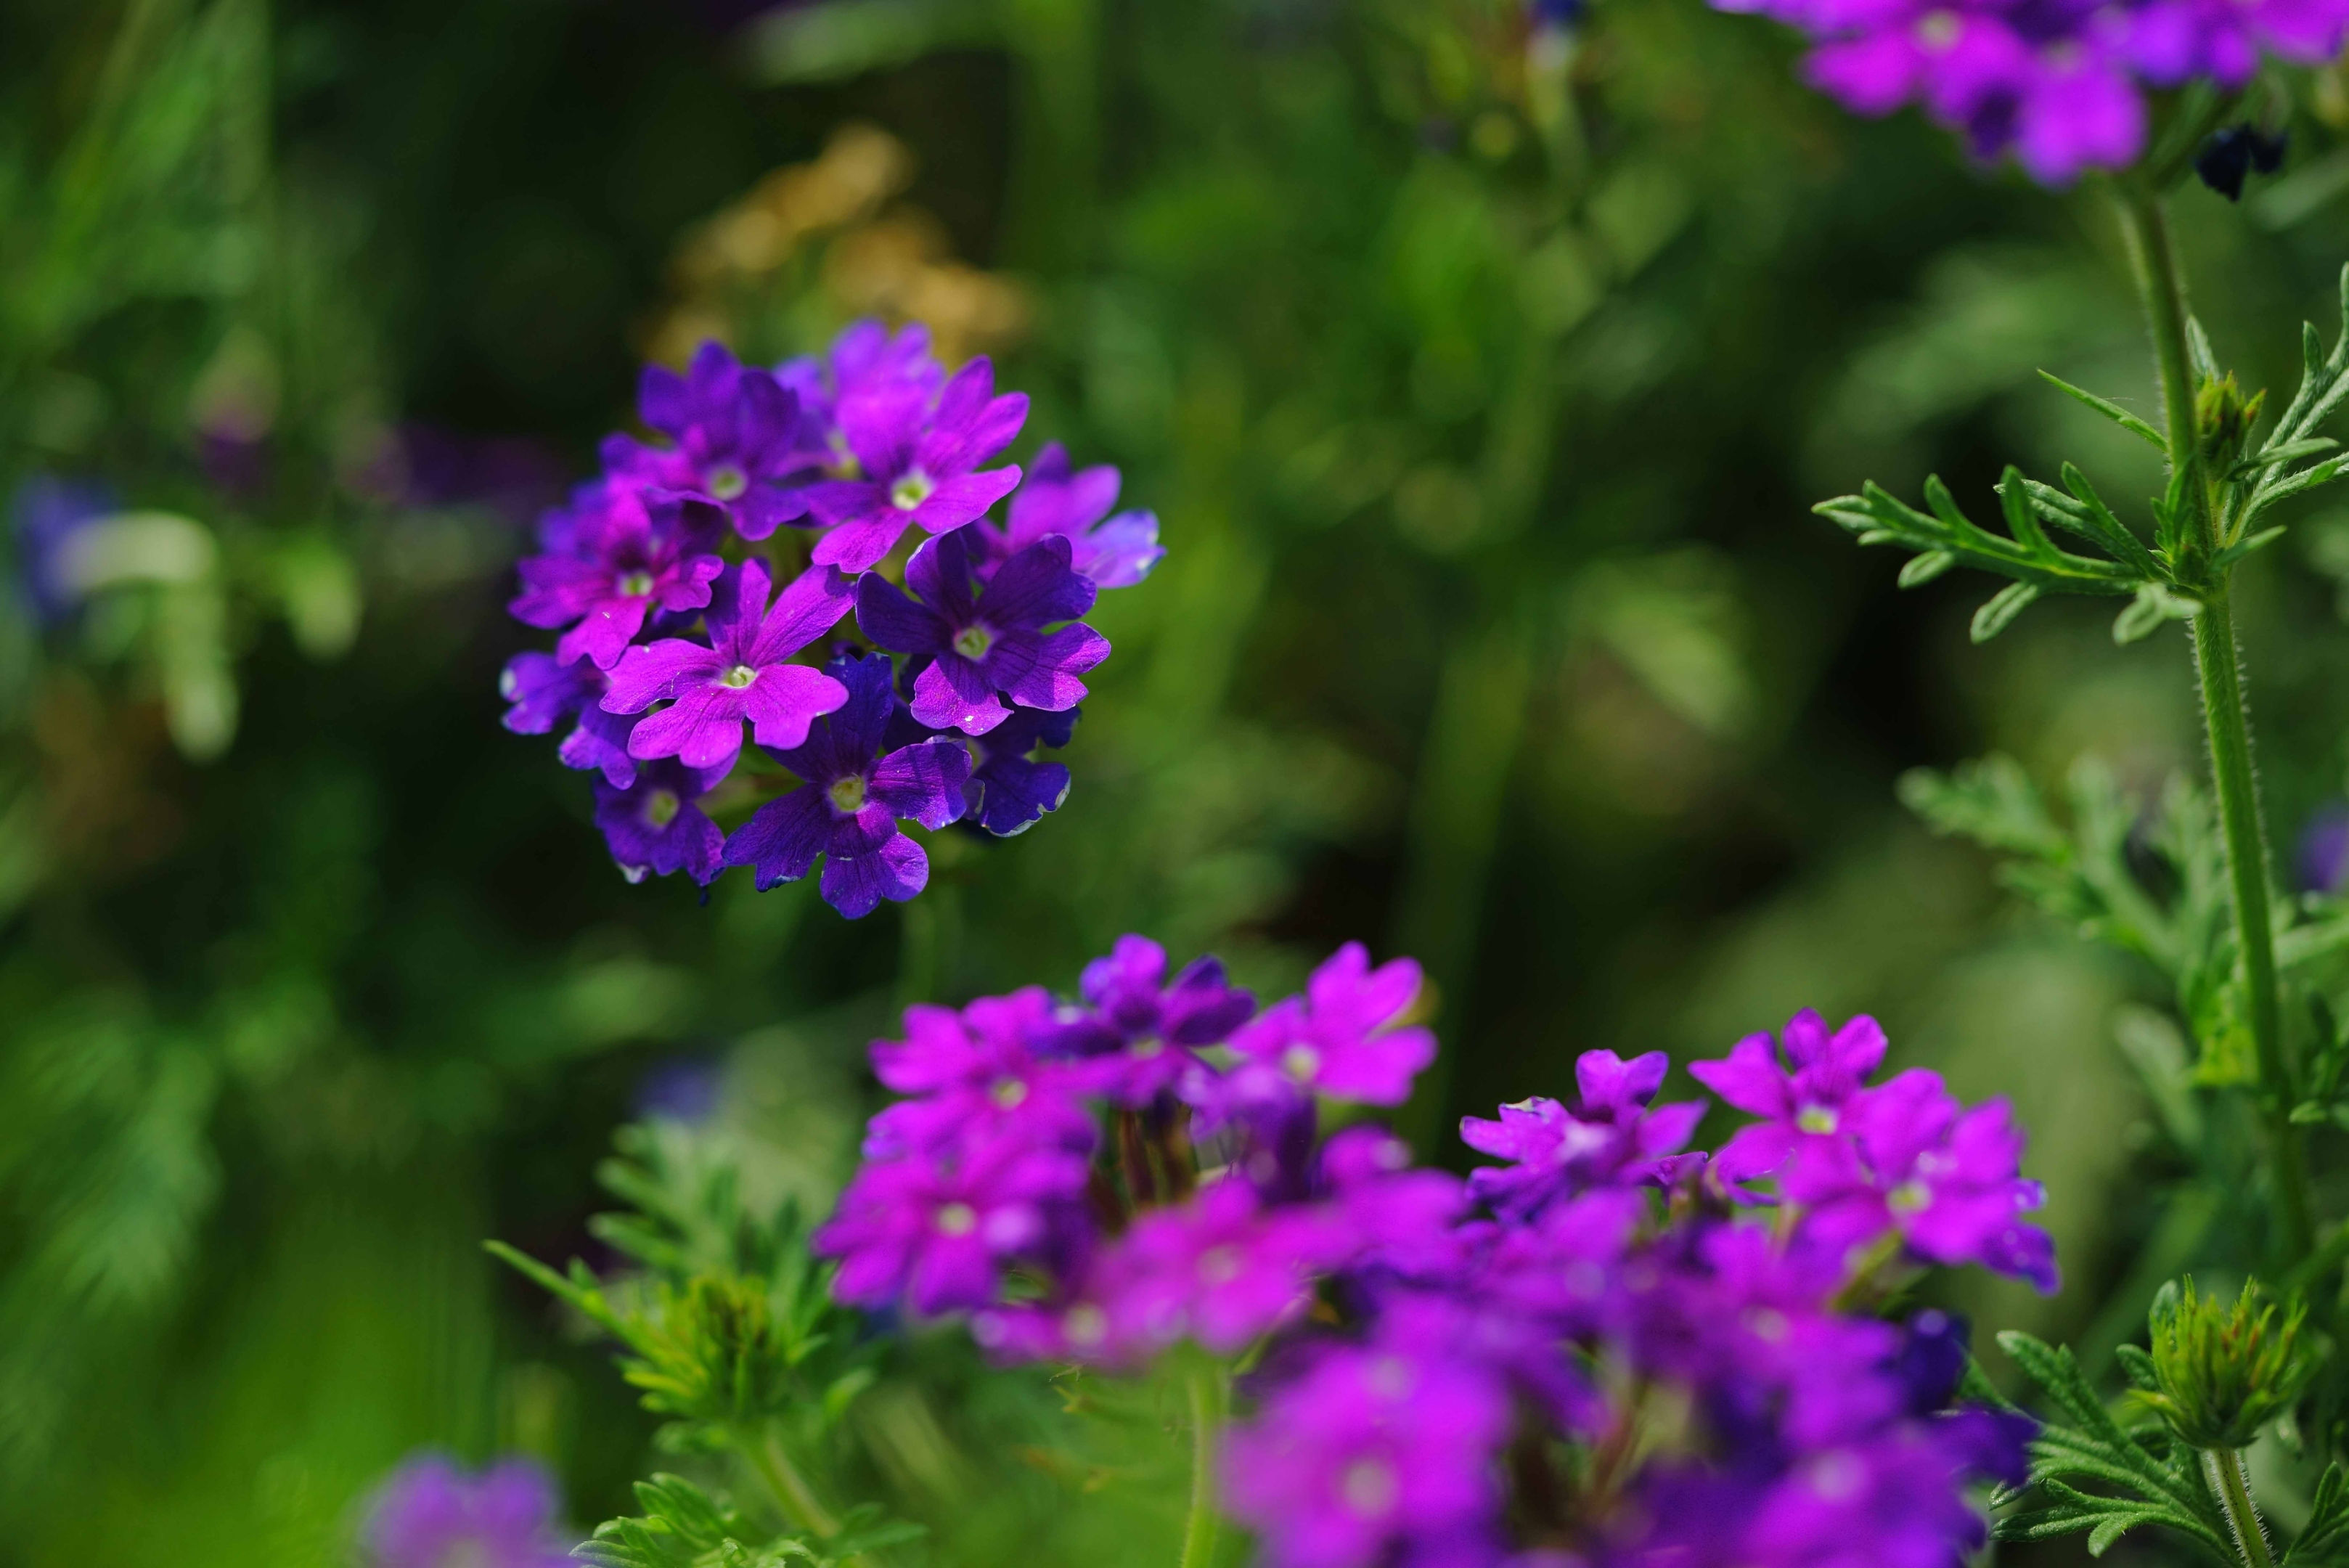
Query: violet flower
[1221,1270]
[866,356]
[939,1231]
[854,797]
[654,827]
[744,674]
[1339,1039]
[544,691]
[1153,1024]
[1803,1104]
[2324,860]
[1010,790]
[614,556]
[1114,551]
[977,1078]
[428,1514]
[1608,1136]
[918,462]
[47,513]
[738,433]
[972,651]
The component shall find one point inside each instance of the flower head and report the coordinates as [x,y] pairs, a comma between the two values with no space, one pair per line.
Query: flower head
[853,798]
[743,673]
[938,1231]
[612,556]
[2224,1373]
[429,1514]
[1153,1025]
[1803,1099]
[1114,551]
[1339,1039]
[976,1077]
[918,460]
[737,433]
[1608,1136]
[866,358]
[972,651]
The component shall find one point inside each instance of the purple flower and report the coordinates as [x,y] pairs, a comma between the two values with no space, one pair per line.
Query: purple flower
[1375,1448]
[1114,551]
[614,556]
[48,513]
[977,1078]
[855,796]
[1221,1269]
[1338,1039]
[1009,791]
[738,434]
[743,673]
[653,826]
[2324,851]
[428,1514]
[1803,1105]
[1155,1025]
[545,690]
[939,1230]
[918,462]
[1608,1136]
[864,359]
[973,651]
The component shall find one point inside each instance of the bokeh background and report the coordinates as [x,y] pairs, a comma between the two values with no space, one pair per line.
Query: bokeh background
[1480,375]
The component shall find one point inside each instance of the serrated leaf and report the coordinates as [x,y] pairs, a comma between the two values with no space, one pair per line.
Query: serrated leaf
[1995,616]
[2110,409]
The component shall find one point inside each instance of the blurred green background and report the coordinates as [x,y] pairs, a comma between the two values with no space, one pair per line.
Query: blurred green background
[1481,381]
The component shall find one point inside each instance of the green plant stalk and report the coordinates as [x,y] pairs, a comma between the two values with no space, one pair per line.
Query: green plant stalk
[2223,1469]
[1203,1525]
[782,1477]
[2226,715]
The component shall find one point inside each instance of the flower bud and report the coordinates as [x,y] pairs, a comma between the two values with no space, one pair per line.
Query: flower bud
[2224,418]
[2224,1373]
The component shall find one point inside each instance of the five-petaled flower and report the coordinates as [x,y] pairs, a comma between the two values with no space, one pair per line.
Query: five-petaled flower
[738,435]
[917,459]
[612,557]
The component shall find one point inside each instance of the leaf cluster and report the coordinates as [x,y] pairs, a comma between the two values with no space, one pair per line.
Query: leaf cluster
[682,1526]
[2226,477]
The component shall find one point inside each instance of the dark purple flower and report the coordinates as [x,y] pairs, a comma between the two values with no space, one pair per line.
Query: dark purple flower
[854,797]
[1010,790]
[544,691]
[737,433]
[1153,1025]
[977,1078]
[429,1514]
[2324,851]
[744,672]
[939,1231]
[614,556]
[653,826]
[866,358]
[1114,551]
[1802,1102]
[1372,1450]
[972,652]
[917,462]
[48,511]
[1608,1136]
[1339,1039]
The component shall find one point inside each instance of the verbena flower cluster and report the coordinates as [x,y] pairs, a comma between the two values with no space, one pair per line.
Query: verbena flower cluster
[2058,83]
[1605,1348]
[702,585]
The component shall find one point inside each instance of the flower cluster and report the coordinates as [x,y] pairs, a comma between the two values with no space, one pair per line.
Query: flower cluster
[702,586]
[431,1514]
[2058,83]
[1607,1350]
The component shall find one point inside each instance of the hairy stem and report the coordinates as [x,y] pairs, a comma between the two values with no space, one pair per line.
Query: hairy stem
[1203,1525]
[2226,714]
[2223,1469]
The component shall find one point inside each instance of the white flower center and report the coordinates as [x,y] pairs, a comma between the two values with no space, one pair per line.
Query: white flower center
[913,488]
[726,482]
[739,677]
[956,1219]
[1220,1265]
[661,807]
[633,585]
[973,640]
[1816,1118]
[1008,1093]
[1086,1325]
[1938,30]
[1300,1062]
[847,793]
[1370,1488]
[1909,1197]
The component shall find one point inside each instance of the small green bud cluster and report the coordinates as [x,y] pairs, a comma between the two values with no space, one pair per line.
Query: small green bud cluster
[2225,1372]
[2224,418]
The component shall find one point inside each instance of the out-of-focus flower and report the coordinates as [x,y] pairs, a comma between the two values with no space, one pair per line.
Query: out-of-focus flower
[48,513]
[1114,551]
[2324,858]
[1608,1134]
[431,1514]
[656,825]
[1340,1039]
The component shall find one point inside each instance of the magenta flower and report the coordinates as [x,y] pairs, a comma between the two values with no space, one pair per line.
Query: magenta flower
[864,359]
[1608,1136]
[973,651]
[744,672]
[1803,1104]
[544,691]
[1114,551]
[1221,1270]
[738,433]
[939,1231]
[977,1078]
[1339,1039]
[1153,1025]
[614,556]
[1373,1454]
[917,462]
[428,1514]
[854,796]
[655,825]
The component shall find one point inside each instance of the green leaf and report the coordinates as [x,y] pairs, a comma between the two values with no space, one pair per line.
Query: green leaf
[2110,409]
[1996,613]
[2153,606]
[1876,517]
[1924,568]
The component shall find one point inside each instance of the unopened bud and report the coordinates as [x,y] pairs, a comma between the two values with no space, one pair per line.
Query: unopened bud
[2225,1372]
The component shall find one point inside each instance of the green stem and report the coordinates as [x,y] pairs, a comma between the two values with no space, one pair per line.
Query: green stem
[1203,1523]
[2224,1469]
[2227,716]
[783,1479]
